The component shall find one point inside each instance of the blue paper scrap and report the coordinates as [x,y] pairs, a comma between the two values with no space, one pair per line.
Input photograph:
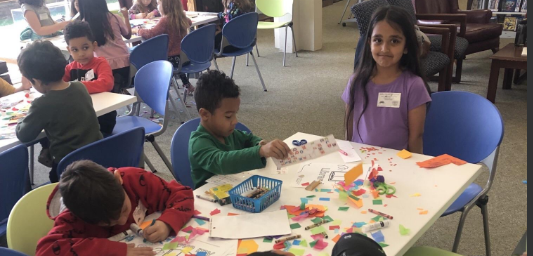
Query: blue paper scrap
[296,242]
[378,237]
[324,199]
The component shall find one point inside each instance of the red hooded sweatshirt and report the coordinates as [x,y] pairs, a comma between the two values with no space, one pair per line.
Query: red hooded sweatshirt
[73,237]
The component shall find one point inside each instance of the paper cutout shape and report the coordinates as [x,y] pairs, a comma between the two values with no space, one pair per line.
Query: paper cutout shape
[317,237]
[336,238]
[440,161]
[334,227]
[296,242]
[353,174]
[297,252]
[344,209]
[215,212]
[317,230]
[170,246]
[295,226]
[378,236]
[324,199]
[404,231]
[186,250]
[303,243]
[267,240]
[248,247]
[415,195]
[405,154]
[320,244]
[377,202]
[424,212]
[200,222]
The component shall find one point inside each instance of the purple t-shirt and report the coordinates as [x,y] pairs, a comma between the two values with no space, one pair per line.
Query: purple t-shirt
[386,126]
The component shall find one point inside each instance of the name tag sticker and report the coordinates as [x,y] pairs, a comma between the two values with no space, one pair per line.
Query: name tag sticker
[389,100]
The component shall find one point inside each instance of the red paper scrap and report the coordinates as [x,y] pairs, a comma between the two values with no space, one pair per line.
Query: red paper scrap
[215,212]
[440,161]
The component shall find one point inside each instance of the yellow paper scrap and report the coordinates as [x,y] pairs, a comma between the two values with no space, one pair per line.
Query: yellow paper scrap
[404,154]
[352,174]
[415,195]
[186,250]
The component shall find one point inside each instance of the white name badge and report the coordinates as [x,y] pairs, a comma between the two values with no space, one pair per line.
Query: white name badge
[43,16]
[89,76]
[389,100]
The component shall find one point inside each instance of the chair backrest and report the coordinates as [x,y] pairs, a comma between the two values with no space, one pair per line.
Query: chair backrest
[406,5]
[199,45]
[13,178]
[9,252]
[152,83]
[436,6]
[28,221]
[363,13]
[153,49]
[242,30]
[179,150]
[462,124]
[274,8]
[120,150]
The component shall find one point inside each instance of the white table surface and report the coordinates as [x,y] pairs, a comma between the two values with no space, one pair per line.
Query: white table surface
[438,188]
[103,103]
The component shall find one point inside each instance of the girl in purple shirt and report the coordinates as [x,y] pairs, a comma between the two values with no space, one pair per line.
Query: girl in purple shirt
[386,96]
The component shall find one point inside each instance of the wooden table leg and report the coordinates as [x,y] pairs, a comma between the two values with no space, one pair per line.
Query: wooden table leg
[508,78]
[493,81]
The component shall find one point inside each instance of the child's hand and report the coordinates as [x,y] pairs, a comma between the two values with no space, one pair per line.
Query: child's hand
[157,232]
[124,12]
[150,15]
[276,148]
[135,30]
[139,251]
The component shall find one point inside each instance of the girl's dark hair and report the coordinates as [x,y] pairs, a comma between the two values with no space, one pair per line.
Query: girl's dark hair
[37,3]
[95,12]
[244,5]
[145,9]
[399,19]
[73,10]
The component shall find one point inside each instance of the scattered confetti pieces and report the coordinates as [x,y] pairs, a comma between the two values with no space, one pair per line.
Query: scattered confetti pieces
[336,238]
[424,212]
[344,209]
[215,212]
[324,199]
[200,222]
[363,212]
[377,202]
[267,240]
[404,154]
[404,231]
[295,226]
[415,195]
[378,236]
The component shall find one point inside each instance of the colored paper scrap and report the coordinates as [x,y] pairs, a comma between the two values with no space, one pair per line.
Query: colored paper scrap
[248,247]
[311,196]
[320,244]
[318,230]
[300,217]
[405,154]
[186,250]
[324,199]
[334,227]
[325,190]
[323,254]
[378,218]
[316,220]
[383,245]
[358,203]
[297,252]
[317,237]
[359,224]
[363,212]
[304,200]
[424,212]
[336,238]
[416,195]
[404,231]
[296,242]
[200,222]
[359,192]
[440,161]
[353,174]
[377,202]
[327,218]
[343,195]
[344,209]
[187,229]
[215,212]
[267,240]
[378,237]
[170,246]
[359,182]
[295,226]
[201,254]
[336,222]
[303,243]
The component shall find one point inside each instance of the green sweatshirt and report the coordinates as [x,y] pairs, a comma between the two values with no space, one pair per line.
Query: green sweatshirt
[67,117]
[209,157]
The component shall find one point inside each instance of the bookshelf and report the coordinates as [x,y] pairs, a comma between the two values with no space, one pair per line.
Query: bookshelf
[506,12]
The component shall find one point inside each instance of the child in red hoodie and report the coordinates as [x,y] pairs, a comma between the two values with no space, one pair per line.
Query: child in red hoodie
[94,204]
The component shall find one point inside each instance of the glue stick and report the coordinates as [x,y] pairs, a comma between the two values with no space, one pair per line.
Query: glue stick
[376,226]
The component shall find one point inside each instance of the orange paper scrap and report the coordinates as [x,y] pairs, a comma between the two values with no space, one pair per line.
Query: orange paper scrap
[405,154]
[424,212]
[352,174]
[357,203]
[440,161]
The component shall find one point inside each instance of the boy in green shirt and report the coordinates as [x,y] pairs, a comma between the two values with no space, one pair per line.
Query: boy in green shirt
[216,147]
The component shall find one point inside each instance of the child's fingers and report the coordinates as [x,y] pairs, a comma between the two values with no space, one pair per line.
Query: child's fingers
[144,251]
[149,231]
[154,237]
[282,150]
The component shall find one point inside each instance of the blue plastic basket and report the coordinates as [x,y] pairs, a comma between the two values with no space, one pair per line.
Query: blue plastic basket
[255,205]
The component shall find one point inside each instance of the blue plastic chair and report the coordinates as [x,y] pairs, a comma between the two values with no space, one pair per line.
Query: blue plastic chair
[240,32]
[179,150]
[152,83]
[197,50]
[119,150]
[467,126]
[14,181]
[8,252]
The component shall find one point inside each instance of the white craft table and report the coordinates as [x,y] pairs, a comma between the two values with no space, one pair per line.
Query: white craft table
[438,189]
[103,103]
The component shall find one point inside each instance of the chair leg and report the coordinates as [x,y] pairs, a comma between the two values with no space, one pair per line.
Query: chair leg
[459,232]
[258,72]
[32,163]
[175,85]
[247,58]
[216,64]
[458,71]
[285,51]
[233,66]
[345,8]
[484,211]
[151,139]
[150,165]
[257,49]
[294,41]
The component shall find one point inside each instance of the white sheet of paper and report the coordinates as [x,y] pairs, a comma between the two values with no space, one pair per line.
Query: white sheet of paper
[251,225]
[233,179]
[311,150]
[347,147]
[328,174]
[524,52]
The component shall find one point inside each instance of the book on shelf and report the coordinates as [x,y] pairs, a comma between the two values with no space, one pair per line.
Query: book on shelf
[493,5]
[509,24]
[507,5]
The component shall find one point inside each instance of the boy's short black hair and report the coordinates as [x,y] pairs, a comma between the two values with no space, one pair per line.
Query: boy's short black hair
[91,192]
[77,29]
[43,61]
[211,88]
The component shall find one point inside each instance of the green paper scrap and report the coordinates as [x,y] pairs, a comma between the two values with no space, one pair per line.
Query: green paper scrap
[378,218]
[317,220]
[336,223]
[327,218]
[170,246]
[377,202]
[303,243]
[290,216]
[344,209]
[383,245]
[267,240]
[311,196]
[404,231]
[325,190]
[312,244]
[302,206]
[297,252]
[354,197]
[323,254]
[343,195]
[295,226]
[318,230]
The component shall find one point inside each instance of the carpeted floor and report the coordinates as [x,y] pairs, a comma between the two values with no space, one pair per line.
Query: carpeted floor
[305,97]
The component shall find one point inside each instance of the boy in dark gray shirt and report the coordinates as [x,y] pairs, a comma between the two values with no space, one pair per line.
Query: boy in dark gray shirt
[65,111]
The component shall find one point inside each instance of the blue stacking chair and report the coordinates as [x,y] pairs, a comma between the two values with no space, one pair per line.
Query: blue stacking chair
[179,150]
[14,181]
[196,52]
[119,150]
[151,50]
[9,252]
[240,32]
[152,83]
[467,126]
